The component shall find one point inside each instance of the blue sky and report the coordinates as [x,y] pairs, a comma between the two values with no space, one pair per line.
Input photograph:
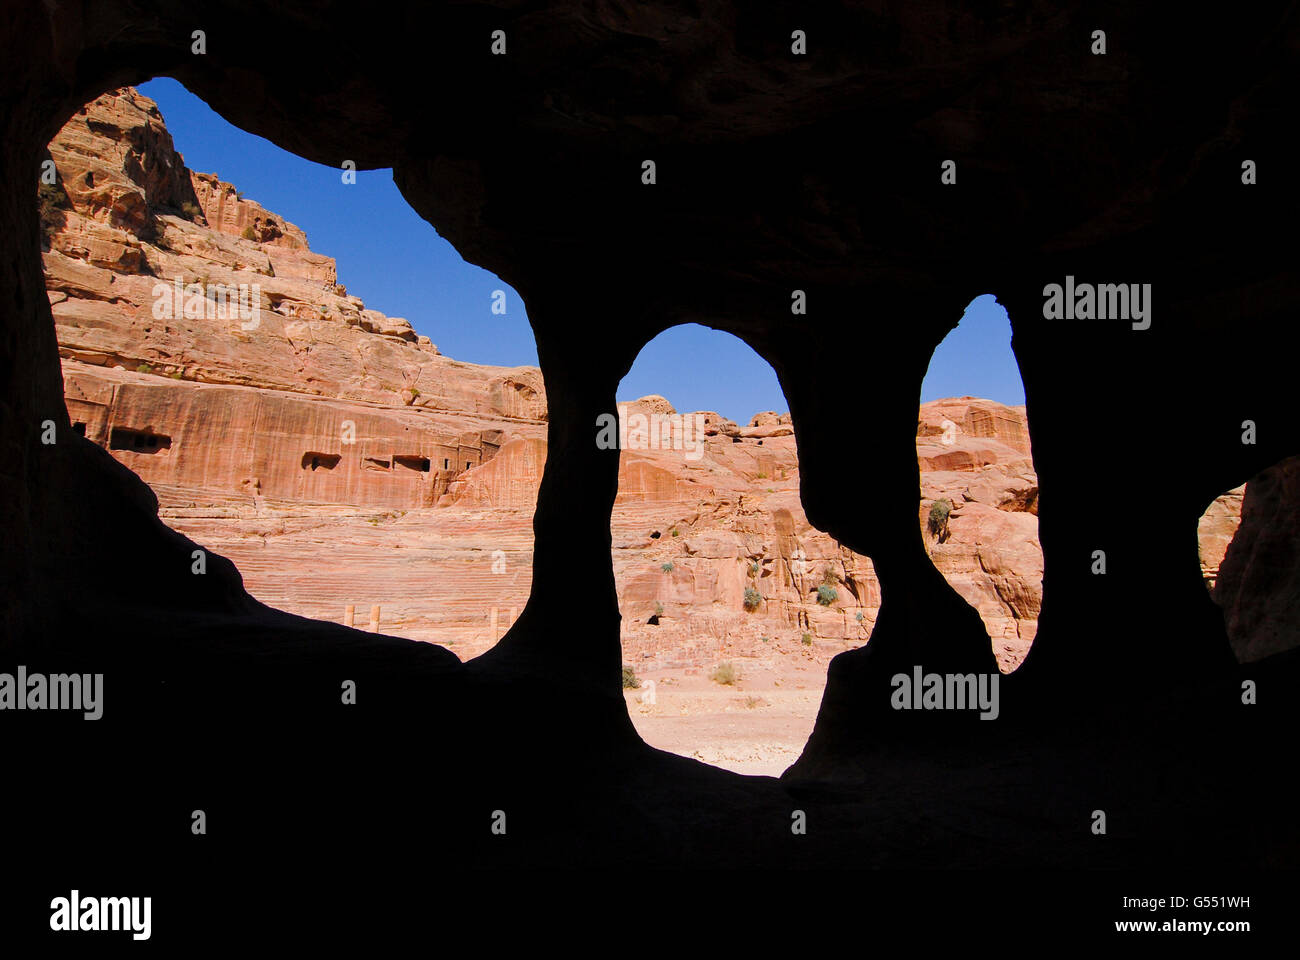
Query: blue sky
[398,264]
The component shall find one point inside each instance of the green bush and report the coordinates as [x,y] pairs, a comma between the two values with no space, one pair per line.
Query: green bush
[807,639]
[752,599]
[939,515]
[659,609]
[673,531]
[826,595]
[189,211]
[248,234]
[144,368]
[725,674]
[630,681]
[667,567]
[753,569]
[858,616]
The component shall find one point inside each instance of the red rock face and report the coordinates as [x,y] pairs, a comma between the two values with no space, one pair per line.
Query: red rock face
[975,455]
[227,404]
[1216,530]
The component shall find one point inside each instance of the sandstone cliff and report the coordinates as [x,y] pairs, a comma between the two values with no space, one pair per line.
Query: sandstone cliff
[229,402]
[127,218]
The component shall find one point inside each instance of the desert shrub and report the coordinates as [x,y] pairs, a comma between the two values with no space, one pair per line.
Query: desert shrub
[248,234]
[630,680]
[752,702]
[826,595]
[725,674]
[52,196]
[674,531]
[828,576]
[659,609]
[752,599]
[144,368]
[667,567]
[939,515]
[753,569]
[189,211]
[807,639]
[858,616]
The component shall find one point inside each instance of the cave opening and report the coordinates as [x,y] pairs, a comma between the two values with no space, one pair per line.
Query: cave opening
[368,397]
[138,441]
[979,490]
[320,461]
[415,464]
[725,643]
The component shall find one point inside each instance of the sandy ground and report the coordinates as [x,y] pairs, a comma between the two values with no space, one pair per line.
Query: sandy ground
[758,725]
[315,563]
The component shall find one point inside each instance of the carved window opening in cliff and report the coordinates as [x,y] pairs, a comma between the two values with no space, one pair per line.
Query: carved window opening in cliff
[978,510]
[1249,546]
[320,461]
[138,441]
[716,567]
[413,464]
[356,397]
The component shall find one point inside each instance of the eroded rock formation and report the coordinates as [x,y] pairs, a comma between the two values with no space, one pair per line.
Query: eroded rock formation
[1128,166]
[222,401]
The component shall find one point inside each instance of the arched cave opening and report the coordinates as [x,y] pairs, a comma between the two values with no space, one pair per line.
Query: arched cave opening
[979,490]
[282,422]
[732,603]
